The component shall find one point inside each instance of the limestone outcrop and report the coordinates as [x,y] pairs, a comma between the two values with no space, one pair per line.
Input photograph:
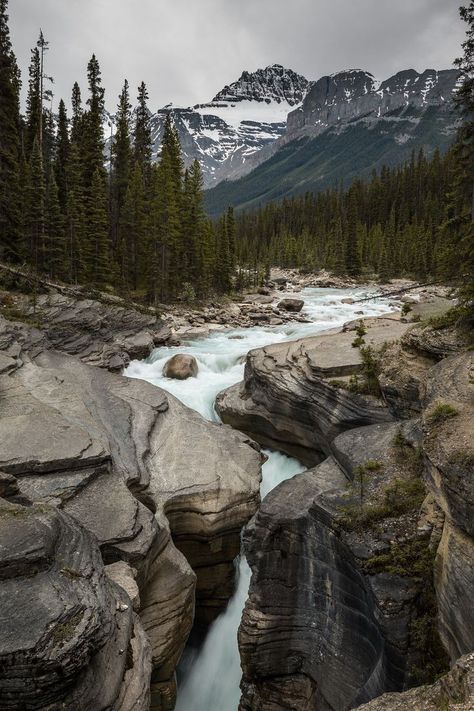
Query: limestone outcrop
[448,422]
[338,584]
[70,638]
[454,691]
[293,396]
[362,568]
[106,332]
[108,452]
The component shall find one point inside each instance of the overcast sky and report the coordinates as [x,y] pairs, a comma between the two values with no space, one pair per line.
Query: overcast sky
[187,50]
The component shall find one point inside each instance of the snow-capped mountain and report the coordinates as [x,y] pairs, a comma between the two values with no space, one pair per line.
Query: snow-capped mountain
[243,118]
[339,102]
[353,94]
[252,119]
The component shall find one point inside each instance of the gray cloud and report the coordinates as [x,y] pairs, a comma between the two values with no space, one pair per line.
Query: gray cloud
[186,50]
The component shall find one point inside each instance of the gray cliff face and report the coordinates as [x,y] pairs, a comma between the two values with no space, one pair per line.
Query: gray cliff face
[453,691]
[363,567]
[449,452]
[325,627]
[70,639]
[251,119]
[353,95]
[275,83]
[107,452]
[405,108]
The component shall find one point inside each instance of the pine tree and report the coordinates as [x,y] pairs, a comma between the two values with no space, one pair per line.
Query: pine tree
[195,233]
[77,114]
[92,136]
[142,144]
[35,208]
[132,247]
[75,218]
[120,166]
[97,252]
[55,251]
[62,155]
[231,235]
[33,102]
[462,199]
[353,265]
[167,231]
[10,214]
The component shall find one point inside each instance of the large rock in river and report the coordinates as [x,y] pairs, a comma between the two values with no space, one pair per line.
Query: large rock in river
[181,367]
[289,304]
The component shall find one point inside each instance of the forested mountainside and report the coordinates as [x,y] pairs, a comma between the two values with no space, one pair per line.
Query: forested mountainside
[140,227]
[347,126]
[395,224]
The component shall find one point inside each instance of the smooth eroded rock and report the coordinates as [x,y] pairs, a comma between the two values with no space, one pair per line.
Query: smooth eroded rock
[181,367]
[69,635]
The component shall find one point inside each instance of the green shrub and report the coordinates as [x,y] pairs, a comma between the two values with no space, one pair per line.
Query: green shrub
[361,332]
[440,412]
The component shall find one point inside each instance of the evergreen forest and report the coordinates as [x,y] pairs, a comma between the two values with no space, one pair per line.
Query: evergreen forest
[78,211]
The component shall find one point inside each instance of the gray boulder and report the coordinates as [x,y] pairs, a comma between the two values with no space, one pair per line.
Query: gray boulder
[181,367]
[70,639]
[293,305]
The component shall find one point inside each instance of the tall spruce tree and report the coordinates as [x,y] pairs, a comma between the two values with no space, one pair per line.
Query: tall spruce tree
[135,221]
[35,208]
[10,214]
[462,197]
[142,144]
[55,248]
[97,252]
[75,237]
[121,165]
[62,155]
[77,114]
[33,102]
[167,233]
[92,134]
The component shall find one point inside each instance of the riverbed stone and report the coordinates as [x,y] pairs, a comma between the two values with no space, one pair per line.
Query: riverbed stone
[181,367]
[289,304]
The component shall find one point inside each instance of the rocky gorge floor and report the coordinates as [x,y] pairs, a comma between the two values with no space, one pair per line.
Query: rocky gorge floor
[115,536]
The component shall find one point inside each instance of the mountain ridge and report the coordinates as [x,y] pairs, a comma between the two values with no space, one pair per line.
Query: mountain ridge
[347,125]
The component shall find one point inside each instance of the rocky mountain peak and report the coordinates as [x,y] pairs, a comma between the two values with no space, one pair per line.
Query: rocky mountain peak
[274,83]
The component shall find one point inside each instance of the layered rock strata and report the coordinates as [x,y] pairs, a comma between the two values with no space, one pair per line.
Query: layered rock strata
[330,617]
[361,564]
[287,399]
[70,638]
[144,475]
[454,691]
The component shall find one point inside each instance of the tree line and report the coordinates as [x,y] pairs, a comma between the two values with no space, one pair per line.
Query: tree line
[396,224]
[124,223]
